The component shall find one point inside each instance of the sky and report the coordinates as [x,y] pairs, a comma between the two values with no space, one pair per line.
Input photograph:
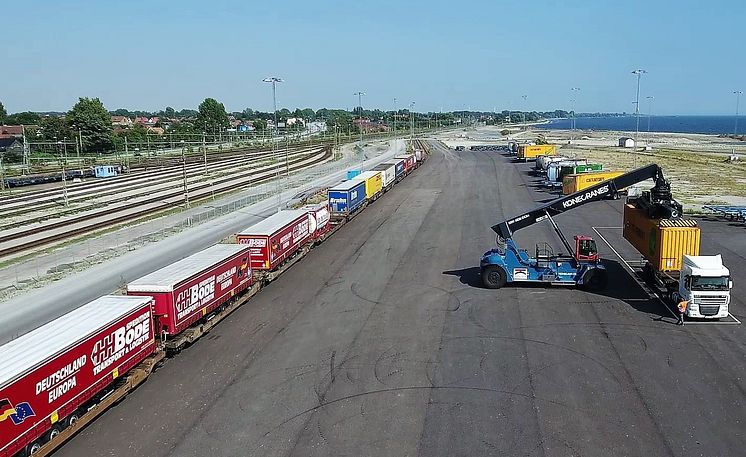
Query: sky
[441,55]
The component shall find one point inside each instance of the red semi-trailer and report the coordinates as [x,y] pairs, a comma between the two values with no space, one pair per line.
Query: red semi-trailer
[193,287]
[276,238]
[410,162]
[50,376]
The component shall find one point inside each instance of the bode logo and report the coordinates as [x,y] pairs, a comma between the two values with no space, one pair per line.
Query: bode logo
[192,298]
[121,341]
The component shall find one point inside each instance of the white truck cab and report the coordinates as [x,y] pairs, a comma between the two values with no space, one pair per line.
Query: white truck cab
[705,283]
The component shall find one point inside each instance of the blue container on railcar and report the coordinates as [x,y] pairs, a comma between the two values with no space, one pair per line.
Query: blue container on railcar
[353,173]
[346,197]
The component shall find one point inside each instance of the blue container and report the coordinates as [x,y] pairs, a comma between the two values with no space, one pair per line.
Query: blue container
[399,166]
[352,173]
[104,171]
[346,197]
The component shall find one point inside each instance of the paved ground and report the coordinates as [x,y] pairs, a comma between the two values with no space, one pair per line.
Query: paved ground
[380,342]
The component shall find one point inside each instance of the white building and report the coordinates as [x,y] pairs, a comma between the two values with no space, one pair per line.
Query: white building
[626,142]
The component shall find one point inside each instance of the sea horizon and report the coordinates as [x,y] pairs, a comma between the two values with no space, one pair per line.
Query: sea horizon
[708,124]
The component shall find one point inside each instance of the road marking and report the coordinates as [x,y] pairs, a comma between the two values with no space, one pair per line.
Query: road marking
[634,276]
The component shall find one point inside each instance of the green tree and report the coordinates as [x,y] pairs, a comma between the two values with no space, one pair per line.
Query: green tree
[169,112]
[3,113]
[90,117]
[212,116]
[259,124]
[55,128]
[25,118]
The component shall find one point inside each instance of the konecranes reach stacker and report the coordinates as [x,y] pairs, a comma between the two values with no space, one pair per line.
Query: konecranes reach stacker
[581,266]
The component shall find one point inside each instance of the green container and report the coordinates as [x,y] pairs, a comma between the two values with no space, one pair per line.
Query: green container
[577,169]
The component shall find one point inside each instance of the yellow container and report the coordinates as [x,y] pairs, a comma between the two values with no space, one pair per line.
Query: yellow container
[373,183]
[526,151]
[580,181]
[662,242]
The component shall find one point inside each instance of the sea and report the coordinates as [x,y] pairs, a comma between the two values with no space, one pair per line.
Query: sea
[677,124]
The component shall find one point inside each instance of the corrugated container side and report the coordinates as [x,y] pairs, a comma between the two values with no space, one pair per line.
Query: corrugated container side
[343,202]
[578,182]
[662,242]
[533,151]
[373,183]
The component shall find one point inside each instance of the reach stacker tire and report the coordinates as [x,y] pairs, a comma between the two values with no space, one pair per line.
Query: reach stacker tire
[493,277]
[595,280]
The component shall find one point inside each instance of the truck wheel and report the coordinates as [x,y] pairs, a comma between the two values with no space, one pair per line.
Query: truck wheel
[73,418]
[52,434]
[594,280]
[493,277]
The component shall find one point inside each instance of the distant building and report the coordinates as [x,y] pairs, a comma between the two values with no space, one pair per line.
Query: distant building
[366,125]
[146,121]
[12,131]
[11,145]
[626,142]
[121,121]
[155,130]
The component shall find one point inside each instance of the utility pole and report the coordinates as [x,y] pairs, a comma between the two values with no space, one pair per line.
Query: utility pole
[738,97]
[639,72]
[26,151]
[650,112]
[411,121]
[184,175]
[64,178]
[360,117]
[395,113]
[573,101]
[274,80]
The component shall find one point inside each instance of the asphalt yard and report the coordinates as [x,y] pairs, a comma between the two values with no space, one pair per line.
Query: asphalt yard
[382,342]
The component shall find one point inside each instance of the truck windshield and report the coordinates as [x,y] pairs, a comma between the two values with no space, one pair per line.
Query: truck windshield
[710,283]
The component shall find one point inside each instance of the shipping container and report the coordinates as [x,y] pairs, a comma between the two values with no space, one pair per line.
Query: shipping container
[51,375]
[373,183]
[399,167]
[353,173]
[576,183]
[662,242]
[388,171]
[276,238]
[526,151]
[346,198]
[188,290]
[578,169]
[318,220]
[418,155]
[409,162]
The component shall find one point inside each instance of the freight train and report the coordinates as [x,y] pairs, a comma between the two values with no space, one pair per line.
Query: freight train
[60,376]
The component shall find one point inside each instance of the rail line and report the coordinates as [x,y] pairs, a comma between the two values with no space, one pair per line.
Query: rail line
[158,204]
[76,194]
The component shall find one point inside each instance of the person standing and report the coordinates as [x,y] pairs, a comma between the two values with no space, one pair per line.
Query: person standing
[682,310]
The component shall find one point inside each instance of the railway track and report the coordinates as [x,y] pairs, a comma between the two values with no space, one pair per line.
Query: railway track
[26,239]
[120,186]
[172,169]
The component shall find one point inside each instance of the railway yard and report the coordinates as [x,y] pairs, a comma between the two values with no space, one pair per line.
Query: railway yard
[382,341]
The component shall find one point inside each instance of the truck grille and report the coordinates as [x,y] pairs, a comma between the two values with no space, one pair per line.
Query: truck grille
[709,310]
[715,300]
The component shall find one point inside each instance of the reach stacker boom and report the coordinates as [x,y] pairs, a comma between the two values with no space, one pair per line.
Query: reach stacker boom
[581,266]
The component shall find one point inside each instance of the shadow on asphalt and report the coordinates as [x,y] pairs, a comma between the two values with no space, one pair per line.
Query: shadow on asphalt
[622,286]
[469,276]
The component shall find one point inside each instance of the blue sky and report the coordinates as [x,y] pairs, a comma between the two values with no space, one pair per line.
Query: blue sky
[450,55]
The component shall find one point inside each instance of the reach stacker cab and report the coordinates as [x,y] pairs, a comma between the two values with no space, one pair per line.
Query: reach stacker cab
[581,266]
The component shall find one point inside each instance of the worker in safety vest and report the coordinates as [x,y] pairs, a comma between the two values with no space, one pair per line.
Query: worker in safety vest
[682,310]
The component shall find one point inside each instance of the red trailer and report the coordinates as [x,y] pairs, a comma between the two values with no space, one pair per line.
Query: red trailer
[276,238]
[318,220]
[193,287]
[50,376]
[410,162]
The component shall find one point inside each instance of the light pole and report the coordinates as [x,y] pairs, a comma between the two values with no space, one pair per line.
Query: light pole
[525,106]
[650,112]
[274,80]
[359,95]
[64,178]
[411,121]
[639,72]
[738,97]
[184,175]
[395,120]
[573,90]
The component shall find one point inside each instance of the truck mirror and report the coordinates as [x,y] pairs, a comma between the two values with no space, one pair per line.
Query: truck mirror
[730,284]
